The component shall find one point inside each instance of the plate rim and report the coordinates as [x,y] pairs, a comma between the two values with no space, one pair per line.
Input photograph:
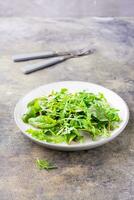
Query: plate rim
[79,146]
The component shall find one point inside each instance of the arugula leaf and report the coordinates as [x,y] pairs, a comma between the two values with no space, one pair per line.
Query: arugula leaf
[61,116]
[44,164]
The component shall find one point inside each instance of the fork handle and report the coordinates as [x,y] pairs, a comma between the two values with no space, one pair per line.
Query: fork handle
[41,65]
[32,56]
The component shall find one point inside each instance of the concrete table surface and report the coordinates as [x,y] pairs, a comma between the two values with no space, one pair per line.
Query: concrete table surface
[103,173]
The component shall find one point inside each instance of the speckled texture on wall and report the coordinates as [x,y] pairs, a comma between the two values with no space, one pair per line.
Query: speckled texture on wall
[106,172]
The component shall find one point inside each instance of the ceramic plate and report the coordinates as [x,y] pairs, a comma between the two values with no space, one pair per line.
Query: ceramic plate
[73,86]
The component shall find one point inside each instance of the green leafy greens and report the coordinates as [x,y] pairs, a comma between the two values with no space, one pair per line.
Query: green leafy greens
[44,164]
[64,117]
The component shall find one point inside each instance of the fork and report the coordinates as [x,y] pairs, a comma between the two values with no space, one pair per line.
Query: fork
[57,58]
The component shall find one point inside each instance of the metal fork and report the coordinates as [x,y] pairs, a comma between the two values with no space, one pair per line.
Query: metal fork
[57,58]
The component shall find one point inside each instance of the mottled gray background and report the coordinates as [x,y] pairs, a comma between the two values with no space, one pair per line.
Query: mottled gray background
[104,173]
[66,8]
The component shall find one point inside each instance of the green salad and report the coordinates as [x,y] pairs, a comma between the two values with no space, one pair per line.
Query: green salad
[66,117]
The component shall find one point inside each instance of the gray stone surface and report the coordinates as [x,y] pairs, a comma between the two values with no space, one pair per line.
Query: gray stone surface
[66,8]
[103,173]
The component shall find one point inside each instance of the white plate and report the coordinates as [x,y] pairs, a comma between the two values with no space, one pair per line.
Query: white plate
[73,86]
